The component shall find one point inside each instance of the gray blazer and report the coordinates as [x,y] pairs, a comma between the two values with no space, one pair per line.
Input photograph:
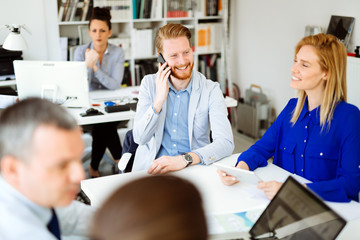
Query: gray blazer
[207,111]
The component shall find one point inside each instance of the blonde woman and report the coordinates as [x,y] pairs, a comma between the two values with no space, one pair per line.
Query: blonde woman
[317,135]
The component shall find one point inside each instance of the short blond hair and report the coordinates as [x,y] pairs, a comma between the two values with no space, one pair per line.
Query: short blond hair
[332,59]
[169,31]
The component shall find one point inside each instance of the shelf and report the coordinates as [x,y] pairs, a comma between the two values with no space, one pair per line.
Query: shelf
[209,18]
[208,52]
[148,20]
[196,22]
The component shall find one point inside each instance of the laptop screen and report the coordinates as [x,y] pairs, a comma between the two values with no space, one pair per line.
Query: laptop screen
[297,213]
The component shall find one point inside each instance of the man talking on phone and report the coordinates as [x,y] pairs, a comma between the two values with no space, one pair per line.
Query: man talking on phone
[177,109]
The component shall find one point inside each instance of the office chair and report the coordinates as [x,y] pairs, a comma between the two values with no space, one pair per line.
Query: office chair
[128,153]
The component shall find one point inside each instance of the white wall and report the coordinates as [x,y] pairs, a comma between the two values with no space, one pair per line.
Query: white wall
[263,36]
[41,18]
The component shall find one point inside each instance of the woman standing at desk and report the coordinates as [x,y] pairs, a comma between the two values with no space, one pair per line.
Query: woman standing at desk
[105,63]
[317,135]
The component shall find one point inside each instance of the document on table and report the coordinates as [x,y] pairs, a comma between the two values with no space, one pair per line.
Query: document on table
[233,224]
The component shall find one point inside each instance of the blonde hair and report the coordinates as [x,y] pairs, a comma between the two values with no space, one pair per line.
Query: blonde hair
[332,59]
[169,31]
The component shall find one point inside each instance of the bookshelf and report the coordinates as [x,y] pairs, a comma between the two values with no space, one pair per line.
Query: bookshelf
[135,28]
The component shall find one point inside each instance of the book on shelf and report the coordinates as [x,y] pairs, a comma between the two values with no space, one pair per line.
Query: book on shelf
[62,6]
[143,9]
[122,41]
[70,10]
[119,9]
[209,37]
[208,8]
[176,9]
[142,40]
[144,67]
[127,75]
[85,10]
[147,8]
[210,66]
[156,9]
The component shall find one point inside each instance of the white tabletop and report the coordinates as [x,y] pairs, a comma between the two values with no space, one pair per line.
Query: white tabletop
[217,197]
[120,96]
[7,83]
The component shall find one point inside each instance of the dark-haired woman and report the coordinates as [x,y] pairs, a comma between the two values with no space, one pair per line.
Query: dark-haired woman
[105,63]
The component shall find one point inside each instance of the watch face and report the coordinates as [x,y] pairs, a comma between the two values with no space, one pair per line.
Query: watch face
[188,157]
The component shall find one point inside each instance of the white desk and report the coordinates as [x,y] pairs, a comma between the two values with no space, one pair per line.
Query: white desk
[219,198]
[7,83]
[98,97]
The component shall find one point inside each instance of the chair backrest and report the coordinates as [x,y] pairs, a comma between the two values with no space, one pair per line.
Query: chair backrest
[84,36]
[128,153]
[72,52]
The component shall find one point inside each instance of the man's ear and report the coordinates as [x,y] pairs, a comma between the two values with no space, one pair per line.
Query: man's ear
[9,168]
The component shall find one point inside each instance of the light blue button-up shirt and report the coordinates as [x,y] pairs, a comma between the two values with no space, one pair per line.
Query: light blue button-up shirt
[176,135]
[111,71]
[21,218]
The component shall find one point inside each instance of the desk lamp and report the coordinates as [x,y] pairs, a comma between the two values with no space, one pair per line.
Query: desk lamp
[14,41]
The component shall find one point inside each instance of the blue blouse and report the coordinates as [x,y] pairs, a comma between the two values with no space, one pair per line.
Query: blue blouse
[330,158]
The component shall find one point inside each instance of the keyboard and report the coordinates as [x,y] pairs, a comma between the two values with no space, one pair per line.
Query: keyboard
[121,108]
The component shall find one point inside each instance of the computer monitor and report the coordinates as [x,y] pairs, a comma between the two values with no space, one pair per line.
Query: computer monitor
[297,213]
[65,83]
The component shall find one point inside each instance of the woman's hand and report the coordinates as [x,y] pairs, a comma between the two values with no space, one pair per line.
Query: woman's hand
[162,86]
[270,188]
[91,58]
[229,180]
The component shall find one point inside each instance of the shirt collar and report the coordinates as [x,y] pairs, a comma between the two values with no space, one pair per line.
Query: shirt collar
[91,46]
[314,114]
[188,88]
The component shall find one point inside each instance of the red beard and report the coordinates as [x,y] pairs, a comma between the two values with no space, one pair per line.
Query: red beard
[182,75]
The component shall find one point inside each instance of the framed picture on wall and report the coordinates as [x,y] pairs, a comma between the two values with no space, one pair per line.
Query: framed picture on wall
[341,27]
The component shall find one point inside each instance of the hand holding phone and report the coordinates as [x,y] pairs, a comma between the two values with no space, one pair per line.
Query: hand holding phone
[162,85]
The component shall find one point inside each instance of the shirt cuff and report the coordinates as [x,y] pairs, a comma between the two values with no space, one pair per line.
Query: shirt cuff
[152,106]
[201,157]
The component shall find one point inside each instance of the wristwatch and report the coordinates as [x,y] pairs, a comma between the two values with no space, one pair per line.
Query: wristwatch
[187,158]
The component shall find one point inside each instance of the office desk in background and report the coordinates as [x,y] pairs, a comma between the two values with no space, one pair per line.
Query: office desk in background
[220,199]
[7,83]
[122,94]
[101,96]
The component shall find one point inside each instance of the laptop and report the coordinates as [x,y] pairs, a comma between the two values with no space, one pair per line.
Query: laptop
[294,213]
[297,213]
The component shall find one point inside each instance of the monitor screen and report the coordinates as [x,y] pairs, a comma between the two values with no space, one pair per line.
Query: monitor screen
[65,83]
[297,213]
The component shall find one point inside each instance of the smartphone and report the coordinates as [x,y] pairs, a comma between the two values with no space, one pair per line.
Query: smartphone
[161,60]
